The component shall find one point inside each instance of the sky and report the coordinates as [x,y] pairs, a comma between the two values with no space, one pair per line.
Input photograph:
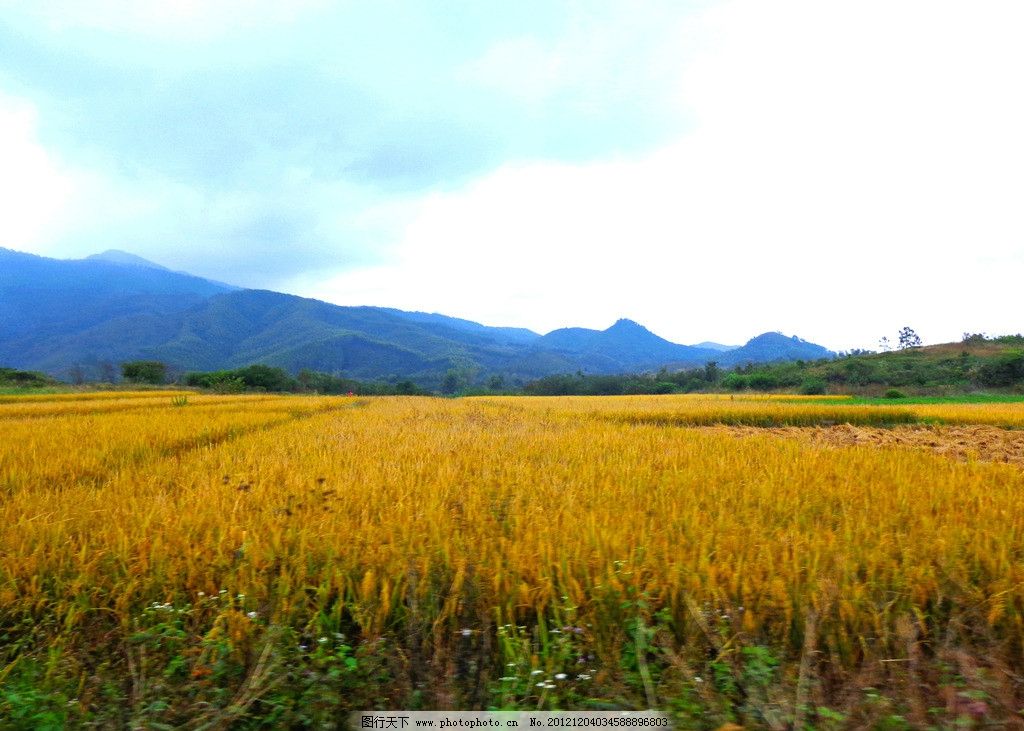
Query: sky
[711,169]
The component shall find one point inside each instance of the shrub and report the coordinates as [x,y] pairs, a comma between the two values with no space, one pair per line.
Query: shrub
[895,393]
[250,378]
[266,378]
[23,379]
[813,387]
[407,388]
[763,381]
[144,371]
[1005,370]
[735,382]
[227,384]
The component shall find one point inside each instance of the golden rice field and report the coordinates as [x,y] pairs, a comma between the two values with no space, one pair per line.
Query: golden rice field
[178,560]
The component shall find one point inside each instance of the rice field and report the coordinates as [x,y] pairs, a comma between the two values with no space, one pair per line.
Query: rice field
[175,560]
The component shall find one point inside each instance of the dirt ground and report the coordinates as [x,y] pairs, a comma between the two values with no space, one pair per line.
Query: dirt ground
[984,443]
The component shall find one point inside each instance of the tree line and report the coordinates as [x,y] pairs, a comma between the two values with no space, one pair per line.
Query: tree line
[266,378]
[908,367]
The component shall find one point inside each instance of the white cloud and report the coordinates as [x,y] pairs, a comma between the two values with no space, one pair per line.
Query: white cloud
[49,207]
[852,168]
[249,237]
[847,168]
[33,187]
[609,53]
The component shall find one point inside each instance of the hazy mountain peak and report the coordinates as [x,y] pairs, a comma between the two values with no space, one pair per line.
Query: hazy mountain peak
[625,324]
[116,256]
[709,345]
[774,336]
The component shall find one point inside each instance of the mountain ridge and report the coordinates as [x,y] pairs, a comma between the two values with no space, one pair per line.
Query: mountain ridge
[87,313]
[117,256]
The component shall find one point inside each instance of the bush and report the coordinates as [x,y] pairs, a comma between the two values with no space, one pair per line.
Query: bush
[1005,370]
[24,379]
[250,378]
[144,371]
[227,384]
[265,378]
[813,387]
[734,382]
[763,381]
[407,388]
[895,393]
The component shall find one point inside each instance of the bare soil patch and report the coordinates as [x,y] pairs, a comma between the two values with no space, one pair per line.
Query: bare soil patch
[982,443]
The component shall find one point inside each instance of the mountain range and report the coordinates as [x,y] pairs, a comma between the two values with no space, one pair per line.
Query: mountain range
[56,315]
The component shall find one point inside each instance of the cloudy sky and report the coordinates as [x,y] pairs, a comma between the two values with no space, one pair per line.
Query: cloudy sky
[711,169]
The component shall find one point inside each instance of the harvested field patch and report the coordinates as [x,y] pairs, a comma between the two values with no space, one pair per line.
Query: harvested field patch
[964,443]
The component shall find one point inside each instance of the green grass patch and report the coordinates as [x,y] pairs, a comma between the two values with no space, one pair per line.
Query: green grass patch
[15,391]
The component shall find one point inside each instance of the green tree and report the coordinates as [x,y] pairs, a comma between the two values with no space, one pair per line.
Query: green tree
[144,371]
[734,382]
[813,386]
[265,378]
[763,381]
[450,383]
[406,388]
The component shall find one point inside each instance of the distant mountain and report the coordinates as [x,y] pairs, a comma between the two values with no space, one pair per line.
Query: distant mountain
[44,299]
[116,256]
[506,334]
[708,345]
[775,346]
[624,346]
[58,314]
